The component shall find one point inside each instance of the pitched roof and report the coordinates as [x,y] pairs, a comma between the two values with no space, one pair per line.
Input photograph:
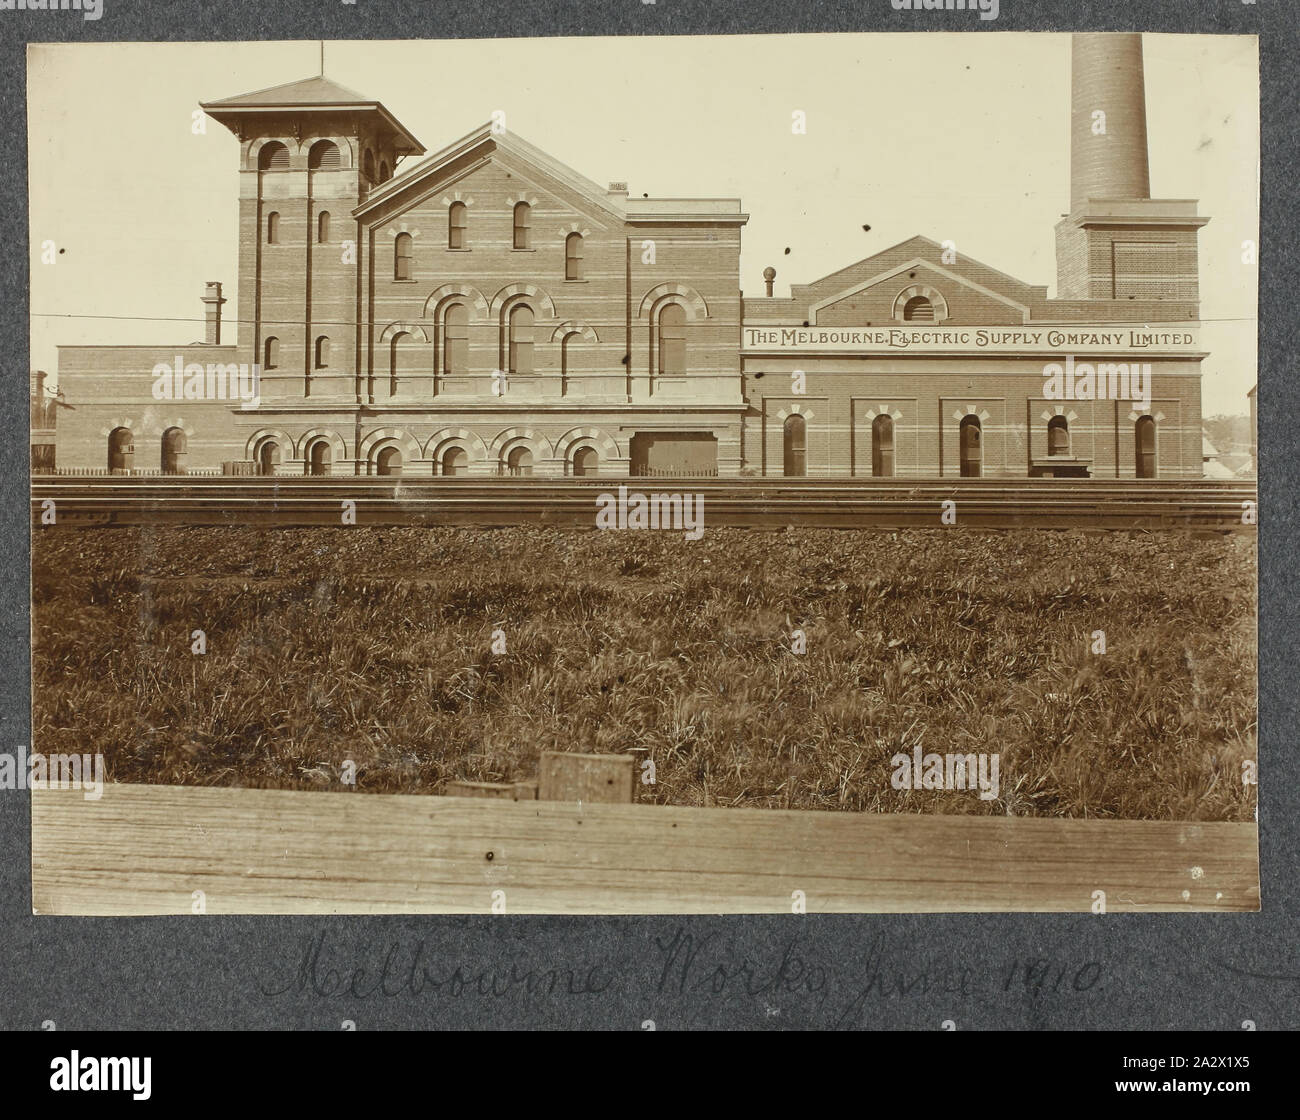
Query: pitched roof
[318,94]
[509,142]
[614,204]
[966,268]
[319,90]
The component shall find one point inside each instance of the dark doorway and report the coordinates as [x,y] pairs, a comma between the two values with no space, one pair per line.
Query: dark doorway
[882,446]
[121,449]
[794,447]
[173,451]
[1144,438]
[972,450]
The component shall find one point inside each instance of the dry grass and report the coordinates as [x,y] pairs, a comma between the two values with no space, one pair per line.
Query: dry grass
[374,645]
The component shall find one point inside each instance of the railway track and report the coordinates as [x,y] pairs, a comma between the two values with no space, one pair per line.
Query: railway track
[98,501]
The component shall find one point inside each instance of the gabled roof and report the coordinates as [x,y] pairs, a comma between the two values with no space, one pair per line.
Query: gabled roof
[613,203]
[308,95]
[509,142]
[965,269]
[895,265]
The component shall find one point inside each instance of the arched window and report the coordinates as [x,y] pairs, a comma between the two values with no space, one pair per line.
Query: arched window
[1144,440]
[173,451]
[389,461]
[455,460]
[457,220]
[322,352]
[573,257]
[318,458]
[455,339]
[586,463]
[519,463]
[273,228]
[404,361]
[795,447]
[273,157]
[268,457]
[918,309]
[383,171]
[520,329]
[394,360]
[402,256]
[972,451]
[523,225]
[323,227]
[324,156]
[1058,436]
[672,340]
[271,353]
[882,446]
[568,354]
[368,165]
[121,449]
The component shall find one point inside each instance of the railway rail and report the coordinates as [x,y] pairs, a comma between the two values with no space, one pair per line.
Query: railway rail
[105,501]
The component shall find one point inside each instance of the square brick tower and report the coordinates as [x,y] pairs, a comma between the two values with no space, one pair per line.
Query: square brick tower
[1117,242]
[310,152]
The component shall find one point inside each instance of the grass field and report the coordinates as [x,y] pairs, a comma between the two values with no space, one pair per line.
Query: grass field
[375,645]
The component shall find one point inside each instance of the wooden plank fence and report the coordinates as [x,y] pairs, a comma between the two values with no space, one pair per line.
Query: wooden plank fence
[147,849]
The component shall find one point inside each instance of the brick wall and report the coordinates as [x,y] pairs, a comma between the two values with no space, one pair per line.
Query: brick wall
[927,400]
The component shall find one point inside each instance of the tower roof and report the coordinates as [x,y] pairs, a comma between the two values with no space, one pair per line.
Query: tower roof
[309,95]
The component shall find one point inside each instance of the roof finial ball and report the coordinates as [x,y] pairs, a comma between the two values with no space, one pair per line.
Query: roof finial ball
[769,274]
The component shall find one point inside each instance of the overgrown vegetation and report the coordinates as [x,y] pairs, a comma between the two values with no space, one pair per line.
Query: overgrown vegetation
[374,645]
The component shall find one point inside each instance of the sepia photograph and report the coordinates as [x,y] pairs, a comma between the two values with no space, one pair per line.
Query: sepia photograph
[710,474]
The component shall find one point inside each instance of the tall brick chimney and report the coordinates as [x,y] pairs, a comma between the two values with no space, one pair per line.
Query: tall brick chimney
[1117,242]
[1106,77]
[212,302]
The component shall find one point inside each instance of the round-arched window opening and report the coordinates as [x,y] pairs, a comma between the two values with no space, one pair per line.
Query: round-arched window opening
[519,463]
[918,309]
[1058,436]
[795,447]
[455,461]
[972,451]
[268,457]
[318,458]
[882,446]
[586,463]
[273,157]
[174,446]
[121,449]
[324,156]
[389,462]
[1144,440]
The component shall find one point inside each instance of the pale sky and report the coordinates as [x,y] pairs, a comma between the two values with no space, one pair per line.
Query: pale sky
[958,137]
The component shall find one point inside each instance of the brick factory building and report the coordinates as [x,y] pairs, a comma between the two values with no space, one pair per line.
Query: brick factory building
[489,311]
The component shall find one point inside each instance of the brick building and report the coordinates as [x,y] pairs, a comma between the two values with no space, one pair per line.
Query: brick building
[488,311]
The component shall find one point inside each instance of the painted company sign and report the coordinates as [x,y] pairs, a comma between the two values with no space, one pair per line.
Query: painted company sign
[779,339]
